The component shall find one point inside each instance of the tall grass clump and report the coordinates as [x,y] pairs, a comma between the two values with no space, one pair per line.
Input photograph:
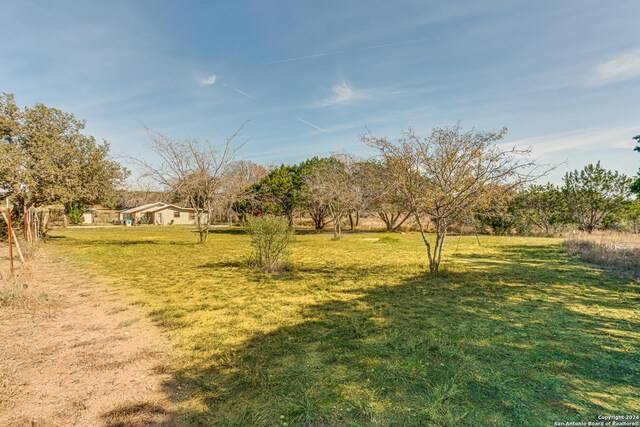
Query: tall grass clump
[270,239]
[618,250]
[16,294]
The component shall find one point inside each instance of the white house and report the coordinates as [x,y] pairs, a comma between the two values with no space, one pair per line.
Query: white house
[159,214]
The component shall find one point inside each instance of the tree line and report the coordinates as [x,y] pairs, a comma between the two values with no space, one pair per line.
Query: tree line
[448,180]
[337,190]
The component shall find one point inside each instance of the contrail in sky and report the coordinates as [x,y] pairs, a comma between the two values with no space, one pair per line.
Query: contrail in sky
[312,125]
[256,99]
[240,92]
[341,52]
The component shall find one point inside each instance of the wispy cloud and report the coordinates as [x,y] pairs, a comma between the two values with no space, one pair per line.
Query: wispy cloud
[343,94]
[209,80]
[583,140]
[243,93]
[625,66]
[312,125]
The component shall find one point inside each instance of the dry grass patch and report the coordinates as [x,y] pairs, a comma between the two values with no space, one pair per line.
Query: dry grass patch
[9,385]
[618,250]
[15,293]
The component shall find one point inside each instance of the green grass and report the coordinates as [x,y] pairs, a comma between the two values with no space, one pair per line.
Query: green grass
[514,332]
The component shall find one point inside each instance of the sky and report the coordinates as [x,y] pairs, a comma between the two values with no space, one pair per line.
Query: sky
[312,77]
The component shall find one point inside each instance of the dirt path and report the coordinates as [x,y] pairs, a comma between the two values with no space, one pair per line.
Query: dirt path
[81,358]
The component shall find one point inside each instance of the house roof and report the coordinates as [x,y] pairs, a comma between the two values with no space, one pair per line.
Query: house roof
[168,206]
[141,207]
[154,207]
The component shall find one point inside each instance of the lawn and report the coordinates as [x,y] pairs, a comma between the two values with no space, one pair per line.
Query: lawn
[514,332]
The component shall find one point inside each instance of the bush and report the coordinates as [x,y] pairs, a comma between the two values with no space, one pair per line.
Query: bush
[74,212]
[270,238]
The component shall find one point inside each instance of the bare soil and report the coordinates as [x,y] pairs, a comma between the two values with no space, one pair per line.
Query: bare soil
[78,354]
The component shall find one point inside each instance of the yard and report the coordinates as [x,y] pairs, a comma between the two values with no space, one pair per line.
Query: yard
[515,332]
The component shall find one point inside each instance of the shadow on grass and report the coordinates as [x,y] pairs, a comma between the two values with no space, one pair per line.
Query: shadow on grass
[296,272]
[130,242]
[243,231]
[135,414]
[54,237]
[530,340]
[235,230]
[216,265]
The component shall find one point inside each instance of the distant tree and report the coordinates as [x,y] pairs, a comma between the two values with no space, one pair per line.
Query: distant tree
[45,158]
[283,191]
[626,218]
[193,172]
[244,176]
[635,187]
[141,192]
[331,184]
[239,176]
[243,207]
[74,212]
[450,174]
[381,193]
[593,193]
[317,209]
[499,214]
[631,212]
[279,192]
[544,206]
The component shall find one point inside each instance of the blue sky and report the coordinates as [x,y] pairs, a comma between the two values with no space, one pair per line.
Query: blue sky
[563,76]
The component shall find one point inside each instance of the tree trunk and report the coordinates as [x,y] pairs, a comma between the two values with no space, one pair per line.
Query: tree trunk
[337,223]
[426,241]
[385,218]
[399,224]
[318,215]
[442,234]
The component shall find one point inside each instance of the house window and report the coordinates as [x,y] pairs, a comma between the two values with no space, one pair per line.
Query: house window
[192,216]
[176,214]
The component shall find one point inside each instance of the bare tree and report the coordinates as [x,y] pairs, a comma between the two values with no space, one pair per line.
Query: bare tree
[449,174]
[193,172]
[238,177]
[332,184]
[141,191]
[381,193]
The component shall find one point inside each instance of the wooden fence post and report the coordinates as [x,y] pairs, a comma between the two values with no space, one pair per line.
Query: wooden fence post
[9,230]
[12,235]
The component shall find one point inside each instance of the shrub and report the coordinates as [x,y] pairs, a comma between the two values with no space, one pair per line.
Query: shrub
[74,212]
[270,238]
